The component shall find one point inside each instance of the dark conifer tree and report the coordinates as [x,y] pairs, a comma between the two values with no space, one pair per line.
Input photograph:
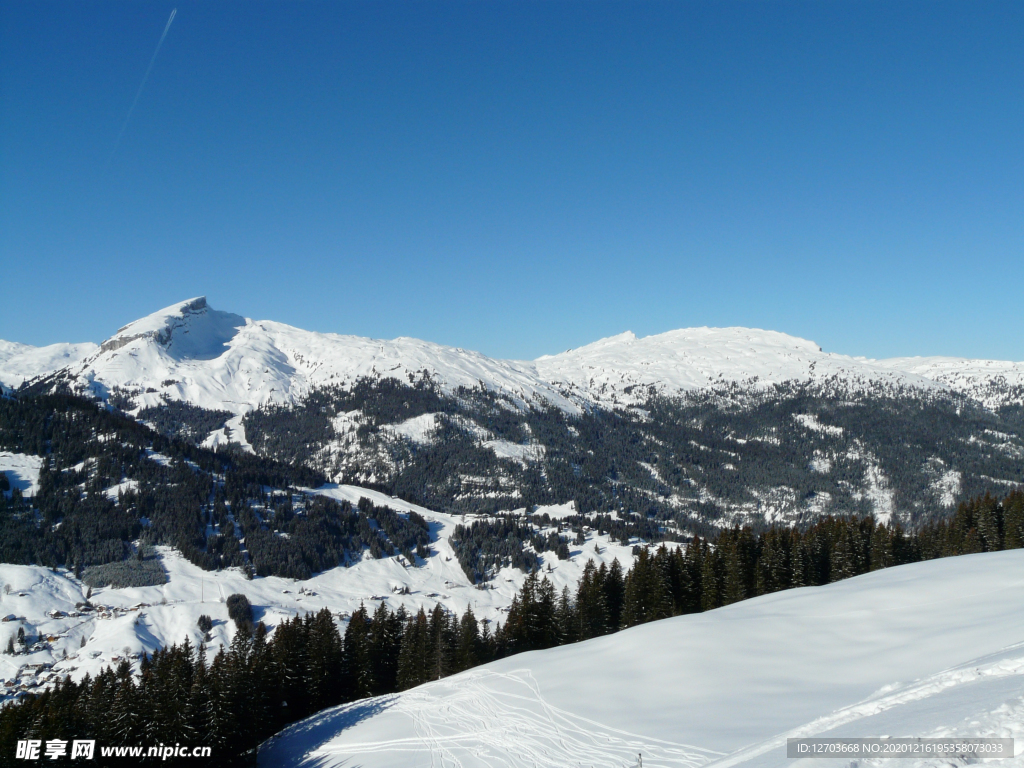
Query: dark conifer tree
[357,657]
[413,656]
[566,619]
[712,579]
[647,596]
[325,661]
[1013,520]
[591,604]
[613,582]
[468,653]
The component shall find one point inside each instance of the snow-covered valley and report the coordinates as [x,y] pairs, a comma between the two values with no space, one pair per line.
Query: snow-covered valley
[70,634]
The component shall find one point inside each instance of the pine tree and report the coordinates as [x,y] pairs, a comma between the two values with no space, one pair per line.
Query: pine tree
[1013,520]
[711,579]
[591,605]
[739,555]
[357,655]
[566,620]
[989,519]
[647,596]
[290,659]
[774,566]
[690,597]
[385,645]
[126,719]
[468,653]
[545,620]
[412,658]
[441,643]
[325,661]
[613,583]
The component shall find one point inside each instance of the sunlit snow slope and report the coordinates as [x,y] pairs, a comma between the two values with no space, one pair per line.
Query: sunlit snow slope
[20,362]
[935,648]
[625,368]
[222,361]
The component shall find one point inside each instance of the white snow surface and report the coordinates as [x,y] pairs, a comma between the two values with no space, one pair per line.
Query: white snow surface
[418,429]
[524,454]
[974,377]
[928,649]
[190,351]
[696,358]
[21,362]
[22,470]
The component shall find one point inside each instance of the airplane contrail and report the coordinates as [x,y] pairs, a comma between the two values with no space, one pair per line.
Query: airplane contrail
[142,85]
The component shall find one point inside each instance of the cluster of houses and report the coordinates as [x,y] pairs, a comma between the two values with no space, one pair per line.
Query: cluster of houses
[36,676]
[98,611]
[31,677]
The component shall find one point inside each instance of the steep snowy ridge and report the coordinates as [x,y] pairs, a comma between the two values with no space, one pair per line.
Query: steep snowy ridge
[190,330]
[223,361]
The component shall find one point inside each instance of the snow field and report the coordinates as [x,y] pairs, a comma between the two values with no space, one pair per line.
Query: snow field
[918,650]
[22,471]
[21,362]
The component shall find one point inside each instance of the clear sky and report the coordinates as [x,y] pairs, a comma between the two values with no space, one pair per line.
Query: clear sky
[520,177]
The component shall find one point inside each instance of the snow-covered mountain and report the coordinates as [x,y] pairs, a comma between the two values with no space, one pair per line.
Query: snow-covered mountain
[992,382]
[747,424]
[221,361]
[626,369]
[926,650]
[217,360]
[20,362]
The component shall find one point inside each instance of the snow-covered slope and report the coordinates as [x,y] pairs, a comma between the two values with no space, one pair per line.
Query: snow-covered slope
[21,362]
[989,381]
[132,621]
[624,368]
[928,649]
[221,361]
[22,471]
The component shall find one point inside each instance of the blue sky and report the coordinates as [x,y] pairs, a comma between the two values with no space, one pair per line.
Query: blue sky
[518,177]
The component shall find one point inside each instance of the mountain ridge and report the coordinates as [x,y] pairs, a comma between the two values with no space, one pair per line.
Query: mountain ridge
[281,364]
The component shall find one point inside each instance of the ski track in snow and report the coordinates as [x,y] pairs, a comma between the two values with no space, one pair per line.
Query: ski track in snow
[1007,664]
[926,650]
[487,718]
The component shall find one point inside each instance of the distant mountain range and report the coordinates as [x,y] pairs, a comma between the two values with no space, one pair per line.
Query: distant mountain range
[224,361]
[701,426]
